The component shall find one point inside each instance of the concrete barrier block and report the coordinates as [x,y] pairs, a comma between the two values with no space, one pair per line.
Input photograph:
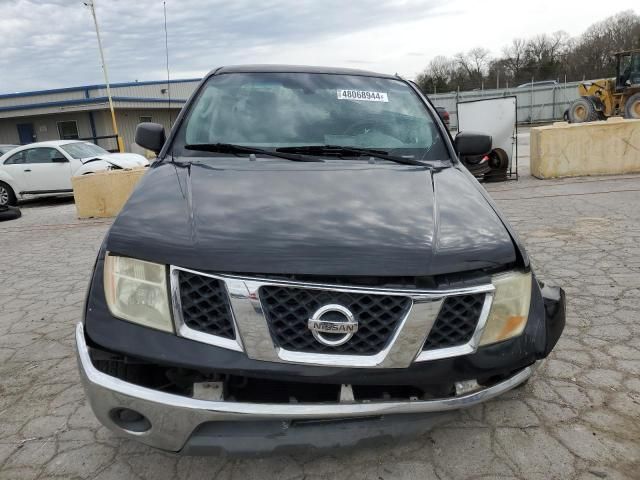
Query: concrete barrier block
[596,148]
[103,194]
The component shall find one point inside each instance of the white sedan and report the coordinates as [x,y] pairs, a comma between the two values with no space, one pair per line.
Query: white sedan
[45,168]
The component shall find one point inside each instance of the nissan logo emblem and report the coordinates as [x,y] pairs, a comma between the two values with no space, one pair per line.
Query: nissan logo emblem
[333,325]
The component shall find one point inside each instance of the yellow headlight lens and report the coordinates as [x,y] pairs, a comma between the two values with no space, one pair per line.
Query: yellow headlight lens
[137,291]
[510,307]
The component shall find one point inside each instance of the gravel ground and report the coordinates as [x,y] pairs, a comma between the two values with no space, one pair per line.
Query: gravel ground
[579,416]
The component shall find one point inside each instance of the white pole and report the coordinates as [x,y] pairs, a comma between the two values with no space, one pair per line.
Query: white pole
[531,100]
[91,5]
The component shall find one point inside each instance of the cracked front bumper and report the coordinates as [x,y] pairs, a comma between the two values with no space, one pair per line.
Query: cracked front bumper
[182,423]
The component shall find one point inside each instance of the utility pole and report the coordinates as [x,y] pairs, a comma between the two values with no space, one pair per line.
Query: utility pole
[91,5]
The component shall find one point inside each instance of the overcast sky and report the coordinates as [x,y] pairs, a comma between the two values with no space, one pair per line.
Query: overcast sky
[52,43]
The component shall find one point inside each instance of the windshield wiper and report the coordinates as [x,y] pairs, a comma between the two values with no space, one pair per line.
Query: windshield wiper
[341,151]
[233,148]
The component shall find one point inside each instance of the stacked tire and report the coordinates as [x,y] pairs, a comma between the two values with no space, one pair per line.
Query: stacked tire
[9,213]
[499,163]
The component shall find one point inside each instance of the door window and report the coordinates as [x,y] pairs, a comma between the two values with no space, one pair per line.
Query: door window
[41,155]
[18,158]
[68,130]
[624,70]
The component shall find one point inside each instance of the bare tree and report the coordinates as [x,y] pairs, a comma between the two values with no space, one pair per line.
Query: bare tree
[515,57]
[438,75]
[544,56]
[538,48]
[591,55]
[559,43]
[479,59]
[474,62]
[441,68]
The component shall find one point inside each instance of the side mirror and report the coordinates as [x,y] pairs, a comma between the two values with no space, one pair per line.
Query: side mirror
[60,159]
[469,144]
[150,136]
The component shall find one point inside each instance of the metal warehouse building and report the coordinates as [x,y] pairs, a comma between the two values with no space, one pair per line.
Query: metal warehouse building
[83,112]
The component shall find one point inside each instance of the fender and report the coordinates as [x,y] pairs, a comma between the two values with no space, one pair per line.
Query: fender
[91,166]
[523,257]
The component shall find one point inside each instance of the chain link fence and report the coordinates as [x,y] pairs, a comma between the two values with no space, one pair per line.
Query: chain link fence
[535,104]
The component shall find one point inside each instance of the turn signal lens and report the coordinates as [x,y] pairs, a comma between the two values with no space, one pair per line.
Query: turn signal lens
[510,308]
[137,291]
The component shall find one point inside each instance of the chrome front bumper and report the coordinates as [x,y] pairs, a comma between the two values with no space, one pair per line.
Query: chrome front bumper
[174,418]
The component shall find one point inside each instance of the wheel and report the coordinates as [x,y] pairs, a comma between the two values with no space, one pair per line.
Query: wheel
[499,163]
[498,159]
[583,110]
[632,107]
[7,197]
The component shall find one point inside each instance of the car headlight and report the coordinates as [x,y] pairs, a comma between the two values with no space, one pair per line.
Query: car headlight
[510,308]
[137,291]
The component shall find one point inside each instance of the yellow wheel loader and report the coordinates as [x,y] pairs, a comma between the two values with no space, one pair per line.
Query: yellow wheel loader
[619,96]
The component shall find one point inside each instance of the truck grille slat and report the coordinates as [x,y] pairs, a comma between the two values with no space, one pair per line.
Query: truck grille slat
[205,305]
[456,321]
[288,309]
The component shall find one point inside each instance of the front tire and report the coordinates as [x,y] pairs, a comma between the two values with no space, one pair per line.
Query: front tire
[583,110]
[7,197]
[632,107]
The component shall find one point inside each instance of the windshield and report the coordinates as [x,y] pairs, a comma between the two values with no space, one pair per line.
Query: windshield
[277,110]
[83,150]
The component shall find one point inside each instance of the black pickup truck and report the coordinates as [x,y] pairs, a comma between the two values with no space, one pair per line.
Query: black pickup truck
[307,263]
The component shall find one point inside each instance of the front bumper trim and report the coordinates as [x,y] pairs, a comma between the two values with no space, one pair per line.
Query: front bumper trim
[174,418]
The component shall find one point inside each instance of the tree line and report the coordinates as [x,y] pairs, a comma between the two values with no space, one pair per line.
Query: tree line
[555,56]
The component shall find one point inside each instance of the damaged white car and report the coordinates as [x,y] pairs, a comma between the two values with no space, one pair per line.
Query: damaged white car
[45,168]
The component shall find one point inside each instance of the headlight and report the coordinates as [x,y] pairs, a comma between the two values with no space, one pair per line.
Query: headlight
[137,291]
[510,307]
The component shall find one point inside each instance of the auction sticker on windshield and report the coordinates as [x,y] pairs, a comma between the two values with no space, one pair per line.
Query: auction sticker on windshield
[362,95]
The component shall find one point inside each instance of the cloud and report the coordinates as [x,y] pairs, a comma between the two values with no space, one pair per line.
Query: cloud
[52,43]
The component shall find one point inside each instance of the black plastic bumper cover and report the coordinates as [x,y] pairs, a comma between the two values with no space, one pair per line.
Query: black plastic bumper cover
[555,315]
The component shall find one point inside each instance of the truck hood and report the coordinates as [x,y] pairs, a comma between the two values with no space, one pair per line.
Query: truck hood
[334,218]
